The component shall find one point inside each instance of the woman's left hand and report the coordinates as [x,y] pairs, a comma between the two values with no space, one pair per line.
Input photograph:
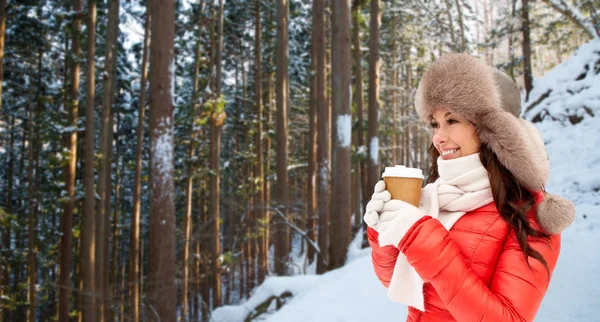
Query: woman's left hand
[393,225]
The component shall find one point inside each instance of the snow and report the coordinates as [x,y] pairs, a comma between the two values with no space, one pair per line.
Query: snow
[362,151]
[584,64]
[353,292]
[172,74]
[323,176]
[344,130]
[162,150]
[576,13]
[374,150]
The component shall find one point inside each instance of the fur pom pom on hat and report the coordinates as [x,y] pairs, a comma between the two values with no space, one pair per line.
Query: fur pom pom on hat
[489,99]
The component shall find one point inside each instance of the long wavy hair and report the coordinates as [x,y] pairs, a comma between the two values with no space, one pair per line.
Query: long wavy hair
[513,201]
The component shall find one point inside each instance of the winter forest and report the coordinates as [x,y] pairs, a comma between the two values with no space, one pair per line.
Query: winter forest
[162,159]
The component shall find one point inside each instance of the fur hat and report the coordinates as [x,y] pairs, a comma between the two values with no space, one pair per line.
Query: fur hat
[489,99]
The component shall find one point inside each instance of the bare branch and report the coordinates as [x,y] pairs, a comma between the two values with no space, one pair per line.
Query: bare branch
[302,233]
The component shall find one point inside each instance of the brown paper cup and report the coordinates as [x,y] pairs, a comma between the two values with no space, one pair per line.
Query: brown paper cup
[405,189]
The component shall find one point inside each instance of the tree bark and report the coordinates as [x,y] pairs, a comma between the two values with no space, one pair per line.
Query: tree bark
[162,299]
[374,62]
[394,82]
[259,174]
[281,92]
[134,271]
[116,234]
[102,217]
[267,115]
[323,118]
[20,312]
[311,191]
[342,131]
[217,120]
[70,173]
[32,214]
[110,296]
[451,24]
[461,25]
[6,236]
[527,74]
[2,31]
[359,106]
[187,226]
[511,51]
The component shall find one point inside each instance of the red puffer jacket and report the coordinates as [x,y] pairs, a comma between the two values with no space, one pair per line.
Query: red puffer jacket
[475,272]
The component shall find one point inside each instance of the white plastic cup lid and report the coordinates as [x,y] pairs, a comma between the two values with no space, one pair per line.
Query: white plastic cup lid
[402,171]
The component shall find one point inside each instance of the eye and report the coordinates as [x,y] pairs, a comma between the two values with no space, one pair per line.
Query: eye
[451,121]
[433,125]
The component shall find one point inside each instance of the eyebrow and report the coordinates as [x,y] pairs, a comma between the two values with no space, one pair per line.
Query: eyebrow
[445,115]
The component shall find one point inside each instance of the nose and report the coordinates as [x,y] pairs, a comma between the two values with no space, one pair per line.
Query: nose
[440,136]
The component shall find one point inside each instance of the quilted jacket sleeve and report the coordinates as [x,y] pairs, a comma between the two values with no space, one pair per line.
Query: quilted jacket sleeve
[515,292]
[384,258]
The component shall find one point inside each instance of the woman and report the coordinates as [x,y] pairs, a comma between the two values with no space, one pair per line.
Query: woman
[486,237]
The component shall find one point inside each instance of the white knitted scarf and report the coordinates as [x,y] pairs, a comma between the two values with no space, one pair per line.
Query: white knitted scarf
[463,186]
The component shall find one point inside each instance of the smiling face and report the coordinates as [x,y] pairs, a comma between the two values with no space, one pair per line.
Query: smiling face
[453,135]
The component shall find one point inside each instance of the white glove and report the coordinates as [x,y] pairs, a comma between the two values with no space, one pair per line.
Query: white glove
[389,217]
[381,201]
[393,225]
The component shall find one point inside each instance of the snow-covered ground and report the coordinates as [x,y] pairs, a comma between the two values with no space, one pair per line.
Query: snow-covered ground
[353,293]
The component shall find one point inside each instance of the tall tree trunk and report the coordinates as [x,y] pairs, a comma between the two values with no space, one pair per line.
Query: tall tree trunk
[527,74]
[406,108]
[217,121]
[451,25]
[511,50]
[78,278]
[259,174]
[342,131]
[281,228]
[374,63]
[88,231]
[102,217]
[134,265]
[187,227]
[311,191]
[116,235]
[20,312]
[323,136]
[6,236]
[205,267]
[461,25]
[162,299]
[37,121]
[32,222]
[70,173]
[359,106]
[2,31]
[123,287]
[394,95]
[110,300]
[267,115]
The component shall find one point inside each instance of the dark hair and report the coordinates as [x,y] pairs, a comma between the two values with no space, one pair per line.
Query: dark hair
[513,201]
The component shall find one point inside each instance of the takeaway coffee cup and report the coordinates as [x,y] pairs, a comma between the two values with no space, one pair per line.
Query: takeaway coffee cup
[404,183]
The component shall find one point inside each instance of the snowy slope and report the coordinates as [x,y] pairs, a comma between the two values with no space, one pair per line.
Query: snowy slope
[353,293]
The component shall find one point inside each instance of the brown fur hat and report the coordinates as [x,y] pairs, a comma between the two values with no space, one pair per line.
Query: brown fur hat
[489,99]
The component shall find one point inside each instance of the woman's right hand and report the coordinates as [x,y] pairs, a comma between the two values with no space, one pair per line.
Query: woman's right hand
[381,206]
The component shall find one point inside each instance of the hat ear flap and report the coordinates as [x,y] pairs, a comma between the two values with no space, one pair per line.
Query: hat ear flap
[555,213]
[505,135]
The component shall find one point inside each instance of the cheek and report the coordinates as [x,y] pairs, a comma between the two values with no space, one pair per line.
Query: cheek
[474,142]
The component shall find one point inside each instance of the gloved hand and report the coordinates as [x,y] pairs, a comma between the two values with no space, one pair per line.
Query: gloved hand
[381,201]
[389,217]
